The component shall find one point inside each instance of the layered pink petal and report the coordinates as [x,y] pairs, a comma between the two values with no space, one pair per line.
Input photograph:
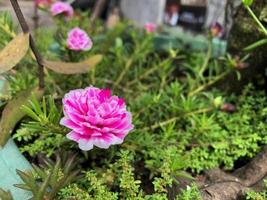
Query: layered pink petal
[78,40]
[61,8]
[96,118]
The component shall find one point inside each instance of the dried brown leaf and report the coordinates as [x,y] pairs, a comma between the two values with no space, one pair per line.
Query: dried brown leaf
[73,68]
[12,112]
[13,52]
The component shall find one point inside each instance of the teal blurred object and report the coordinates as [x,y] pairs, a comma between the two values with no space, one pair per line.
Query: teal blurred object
[10,160]
[176,38]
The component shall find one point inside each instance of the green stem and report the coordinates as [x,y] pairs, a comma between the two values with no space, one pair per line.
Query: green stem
[205,86]
[207,59]
[256,20]
[127,67]
[200,111]
[147,73]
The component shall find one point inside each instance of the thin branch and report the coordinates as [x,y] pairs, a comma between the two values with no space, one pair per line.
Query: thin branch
[98,9]
[26,29]
[205,86]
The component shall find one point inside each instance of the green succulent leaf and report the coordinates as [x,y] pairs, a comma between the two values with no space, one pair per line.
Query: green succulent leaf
[256,44]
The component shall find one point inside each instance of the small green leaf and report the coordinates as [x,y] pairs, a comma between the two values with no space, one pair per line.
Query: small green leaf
[28,179]
[39,171]
[54,174]
[73,68]
[69,164]
[247,2]
[23,186]
[43,188]
[14,52]
[30,112]
[256,44]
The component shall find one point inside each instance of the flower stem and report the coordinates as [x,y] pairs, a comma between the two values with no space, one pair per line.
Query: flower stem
[256,20]
[25,29]
[123,72]
[168,121]
[207,58]
[205,86]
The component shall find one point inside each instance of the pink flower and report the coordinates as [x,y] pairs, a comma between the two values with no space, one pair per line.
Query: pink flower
[42,3]
[216,29]
[150,27]
[61,8]
[79,40]
[96,118]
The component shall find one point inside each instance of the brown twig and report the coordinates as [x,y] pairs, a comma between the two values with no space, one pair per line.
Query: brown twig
[26,29]
[98,9]
[36,18]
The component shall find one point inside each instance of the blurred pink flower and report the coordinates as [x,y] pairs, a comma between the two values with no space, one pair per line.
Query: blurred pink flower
[79,40]
[61,8]
[150,27]
[96,118]
[42,3]
[216,29]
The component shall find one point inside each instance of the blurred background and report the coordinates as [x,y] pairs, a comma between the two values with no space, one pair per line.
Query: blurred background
[193,15]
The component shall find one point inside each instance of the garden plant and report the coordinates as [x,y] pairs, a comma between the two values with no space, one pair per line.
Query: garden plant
[102,114]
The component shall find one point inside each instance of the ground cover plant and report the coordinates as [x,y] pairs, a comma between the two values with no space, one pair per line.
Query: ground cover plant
[179,131]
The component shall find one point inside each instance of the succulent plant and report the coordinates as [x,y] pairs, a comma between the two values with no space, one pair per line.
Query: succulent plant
[46,180]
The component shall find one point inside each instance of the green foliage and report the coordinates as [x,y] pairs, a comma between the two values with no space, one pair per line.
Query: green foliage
[190,193]
[21,81]
[45,182]
[179,124]
[215,137]
[128,185]
[119,174]
[6,28]
[252,195]
[43,129]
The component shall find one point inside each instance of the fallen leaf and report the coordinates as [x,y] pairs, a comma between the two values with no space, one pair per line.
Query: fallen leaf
[73,68]
[13,52]
[12,112]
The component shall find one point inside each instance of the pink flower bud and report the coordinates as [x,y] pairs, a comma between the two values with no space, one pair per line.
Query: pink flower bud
[228,107]
[61,8]
[150,27]
[78,40]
